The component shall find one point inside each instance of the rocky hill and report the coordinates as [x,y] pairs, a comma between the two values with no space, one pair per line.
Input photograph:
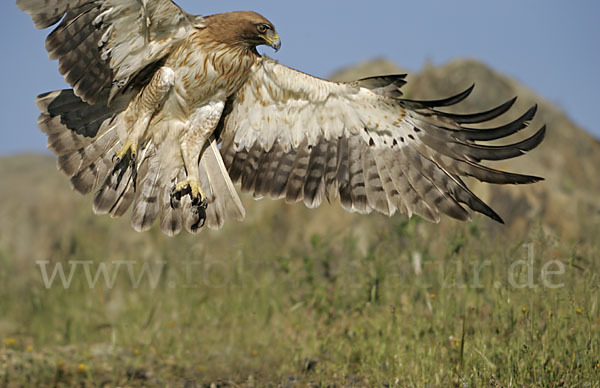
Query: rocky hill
[38,208]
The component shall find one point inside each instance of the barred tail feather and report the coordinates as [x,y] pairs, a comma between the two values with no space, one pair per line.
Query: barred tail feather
[150,190]
[227,203]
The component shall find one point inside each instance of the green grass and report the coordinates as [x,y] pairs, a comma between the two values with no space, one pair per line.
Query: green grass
[265,304]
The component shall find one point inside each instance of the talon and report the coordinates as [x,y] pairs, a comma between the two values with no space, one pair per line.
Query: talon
[128,149]
[191,188]
[124,158]
[199,203]
[201,212]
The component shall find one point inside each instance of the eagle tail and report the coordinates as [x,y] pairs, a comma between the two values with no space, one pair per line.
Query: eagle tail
[81,135]
[215,179]
[85,137]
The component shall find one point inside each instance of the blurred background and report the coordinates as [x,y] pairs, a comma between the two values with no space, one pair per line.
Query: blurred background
[293,295]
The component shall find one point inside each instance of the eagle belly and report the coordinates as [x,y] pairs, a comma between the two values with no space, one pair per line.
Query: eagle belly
[192,187]
[206,73]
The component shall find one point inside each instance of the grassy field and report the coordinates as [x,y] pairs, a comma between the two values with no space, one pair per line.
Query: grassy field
[266,304]
[321,298]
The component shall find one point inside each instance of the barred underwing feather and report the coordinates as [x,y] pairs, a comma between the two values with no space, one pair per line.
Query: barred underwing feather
[356,186]
[342,177]
[281,175]
[314,186]
[393,195]
[415,203]
[376,195]
[146,204]
[251,167]
[435,185]
[297,176]
[104,44]
[236,167]
[71,32]
[265,173]
[331,168]
[446,183]
[421,186]
[48,12]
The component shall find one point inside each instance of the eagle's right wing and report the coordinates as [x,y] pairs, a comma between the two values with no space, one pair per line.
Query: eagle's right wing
[104,44]
[289,135]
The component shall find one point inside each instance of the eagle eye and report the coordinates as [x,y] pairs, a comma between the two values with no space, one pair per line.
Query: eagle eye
[262,28]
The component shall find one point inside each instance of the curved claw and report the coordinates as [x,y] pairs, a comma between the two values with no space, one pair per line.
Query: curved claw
[199,203]
[125,158]
[201,212]
[191,188]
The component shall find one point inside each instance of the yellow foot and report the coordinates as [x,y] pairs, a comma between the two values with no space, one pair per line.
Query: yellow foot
[129,150]
[124,158]
[192,188]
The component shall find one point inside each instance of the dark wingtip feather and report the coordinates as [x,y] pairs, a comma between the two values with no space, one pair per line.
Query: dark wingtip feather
[533,141]
[534,179]
[498,219]
[489,212]
[527,179]
[481,116]
[487,134]
[483,152]
[452,100]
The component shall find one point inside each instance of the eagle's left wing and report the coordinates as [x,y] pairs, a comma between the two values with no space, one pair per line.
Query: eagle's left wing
[288,135]
[106,44]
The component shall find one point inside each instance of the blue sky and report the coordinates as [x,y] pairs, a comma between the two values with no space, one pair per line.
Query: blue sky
[551,46]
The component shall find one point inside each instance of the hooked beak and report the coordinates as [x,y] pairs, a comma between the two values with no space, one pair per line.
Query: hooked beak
[273,40]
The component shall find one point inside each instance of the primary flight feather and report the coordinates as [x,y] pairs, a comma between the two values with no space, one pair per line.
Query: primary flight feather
[168,110]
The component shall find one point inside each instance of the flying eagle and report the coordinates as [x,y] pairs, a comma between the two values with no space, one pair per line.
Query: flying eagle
[168,110]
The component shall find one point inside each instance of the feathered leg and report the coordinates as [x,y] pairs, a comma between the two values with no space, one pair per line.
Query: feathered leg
[193,141]
[138,116]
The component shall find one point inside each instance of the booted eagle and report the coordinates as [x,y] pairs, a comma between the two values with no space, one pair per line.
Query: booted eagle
[168,110]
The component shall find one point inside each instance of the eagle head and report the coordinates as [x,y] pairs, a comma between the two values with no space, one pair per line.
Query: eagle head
[244,27]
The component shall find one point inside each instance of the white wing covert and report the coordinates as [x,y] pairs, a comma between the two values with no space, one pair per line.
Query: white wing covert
[288,135]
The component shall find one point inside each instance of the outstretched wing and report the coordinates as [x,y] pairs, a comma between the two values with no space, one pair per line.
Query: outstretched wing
[290,135]
[104,44]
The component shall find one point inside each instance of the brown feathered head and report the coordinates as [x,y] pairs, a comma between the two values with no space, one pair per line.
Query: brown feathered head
[243,28]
